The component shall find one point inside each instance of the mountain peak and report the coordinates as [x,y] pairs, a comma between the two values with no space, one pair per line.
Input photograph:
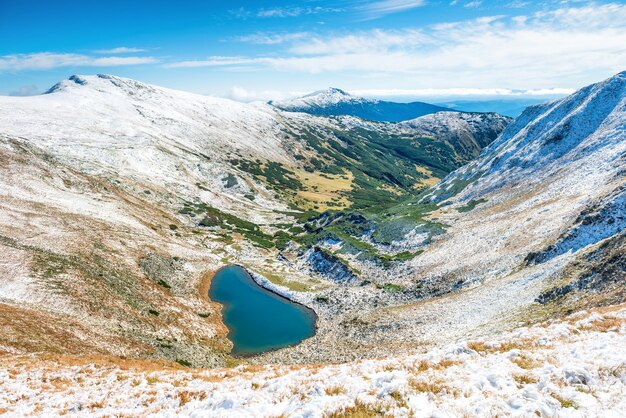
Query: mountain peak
[330,91]
[334,102]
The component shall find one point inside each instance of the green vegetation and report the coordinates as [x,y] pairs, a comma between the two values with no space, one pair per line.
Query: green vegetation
[230,181]
[183,363]
[471,205]
[272,173]
[291,285]
[390,287]
[213,217]
[164,284]
[383,165]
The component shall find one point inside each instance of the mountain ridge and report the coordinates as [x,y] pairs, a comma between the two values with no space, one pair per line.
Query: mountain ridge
[122,198]
[335,102]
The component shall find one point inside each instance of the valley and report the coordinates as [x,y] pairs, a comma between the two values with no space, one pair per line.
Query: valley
[399,236]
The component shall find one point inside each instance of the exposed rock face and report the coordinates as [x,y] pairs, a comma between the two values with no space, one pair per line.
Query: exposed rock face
[326,264]
[598,277]
[467,132]
[600,220]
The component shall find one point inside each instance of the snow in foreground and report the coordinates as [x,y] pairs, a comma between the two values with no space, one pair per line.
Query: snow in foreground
[574,367]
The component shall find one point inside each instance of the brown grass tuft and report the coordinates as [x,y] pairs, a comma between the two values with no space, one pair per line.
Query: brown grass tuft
[565,403]
[525,362]
[359,410]
[605,324]
[525,379]
[423,386]
[186,396]
[335,390]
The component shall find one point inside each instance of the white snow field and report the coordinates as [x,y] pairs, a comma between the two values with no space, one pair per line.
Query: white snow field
[573,367]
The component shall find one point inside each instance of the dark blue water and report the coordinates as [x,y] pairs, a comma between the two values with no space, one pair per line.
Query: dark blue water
[258,319]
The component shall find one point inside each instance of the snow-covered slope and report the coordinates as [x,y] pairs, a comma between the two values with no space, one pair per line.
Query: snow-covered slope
[559,369]
[533,228]
[583,131]
[458,127]
[334,102]
[321,98]
[108,177]
[121,197]
[553,164]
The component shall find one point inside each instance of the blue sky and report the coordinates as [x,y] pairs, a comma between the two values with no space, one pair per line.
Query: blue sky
[259,50]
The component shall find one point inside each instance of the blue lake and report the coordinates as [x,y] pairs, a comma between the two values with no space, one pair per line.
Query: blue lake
[258,320]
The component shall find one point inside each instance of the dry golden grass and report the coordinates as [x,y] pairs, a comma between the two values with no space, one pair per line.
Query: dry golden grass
[429,180]
[321,189]
[605,324]
[424,365]
[252,368]
[152,380]
[186,396]
[525,379]
[483,348]
[525,362]
[424,386]
[96,405]
[478,346]
[335,390]
[565,403]
[445,363]
[110,362]
[399,398]
[359,410]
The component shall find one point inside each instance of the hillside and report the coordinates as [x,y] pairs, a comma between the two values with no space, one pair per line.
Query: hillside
[120,199]
[336,102]
[124,212]
[562,368]
[532,229]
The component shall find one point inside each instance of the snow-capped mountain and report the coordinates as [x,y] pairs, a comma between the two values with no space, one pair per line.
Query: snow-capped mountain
[467,129]
[532,229]
[119,199]
[121,195]
[334,102]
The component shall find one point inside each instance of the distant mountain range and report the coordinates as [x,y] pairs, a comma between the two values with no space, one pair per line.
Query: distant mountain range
[507,107]
[334,102]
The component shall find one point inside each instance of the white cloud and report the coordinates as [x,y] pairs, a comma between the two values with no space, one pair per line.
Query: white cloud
[271,38]
[216,61]
[28,90]
[120,50]
[565,47]
[295,11]
[48,60]
[376,40]
[377,9]
[244,95]
[473,4]
[281,12]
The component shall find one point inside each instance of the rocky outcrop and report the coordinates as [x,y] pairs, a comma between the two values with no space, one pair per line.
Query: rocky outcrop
[330,266]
